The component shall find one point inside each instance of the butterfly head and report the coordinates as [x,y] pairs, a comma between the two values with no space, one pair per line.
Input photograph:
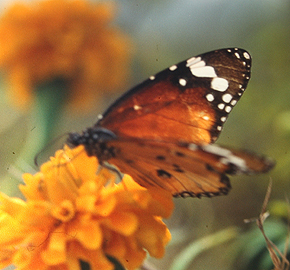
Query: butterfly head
[94,140]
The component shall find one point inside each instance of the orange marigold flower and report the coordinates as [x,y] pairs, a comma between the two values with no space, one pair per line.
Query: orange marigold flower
[72,213]
[68,39]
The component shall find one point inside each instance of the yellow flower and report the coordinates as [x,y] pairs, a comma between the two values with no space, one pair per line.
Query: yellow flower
[72,213]
[70,40]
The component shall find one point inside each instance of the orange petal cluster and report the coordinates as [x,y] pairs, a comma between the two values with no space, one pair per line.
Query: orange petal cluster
[75,211]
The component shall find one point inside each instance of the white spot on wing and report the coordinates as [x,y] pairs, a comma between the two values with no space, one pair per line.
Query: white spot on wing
[226,156]
[182,82]
[193,60]
[223,118]
[204,72]
[172,68]
[199,68]
[219,84]
[152,78]
[233,102]
[237,161]
[237,55]
[227,98]
[221,106]
[246,55]
[216,150]
[137,107]
[228,109]
[210,97]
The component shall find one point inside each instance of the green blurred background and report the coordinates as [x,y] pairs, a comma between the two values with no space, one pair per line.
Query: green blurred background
[166,32]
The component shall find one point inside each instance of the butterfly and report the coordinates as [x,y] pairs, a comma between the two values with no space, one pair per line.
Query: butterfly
[161,131]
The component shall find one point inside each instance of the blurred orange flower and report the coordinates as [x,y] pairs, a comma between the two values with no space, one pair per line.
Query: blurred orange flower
[63,39]
[72,213]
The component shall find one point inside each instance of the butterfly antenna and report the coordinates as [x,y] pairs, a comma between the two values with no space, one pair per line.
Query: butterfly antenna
[50,143]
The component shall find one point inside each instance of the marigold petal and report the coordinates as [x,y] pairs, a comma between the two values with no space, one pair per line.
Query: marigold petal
[96,258]
[89,234]
[56,248]
[77,156]
[129,253]
[153,235]
[129,184]
[115,244]
[12,206]
[135,254]
[161,203]
[122,222]
[158,201]
[10,231]
[106,205]
[94,204]
[37,214]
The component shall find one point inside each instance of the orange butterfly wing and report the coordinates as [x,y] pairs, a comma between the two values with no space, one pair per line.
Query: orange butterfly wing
[160,131]
[185,169]
[176,105]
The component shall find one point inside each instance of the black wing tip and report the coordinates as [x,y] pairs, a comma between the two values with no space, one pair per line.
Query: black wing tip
[241,51]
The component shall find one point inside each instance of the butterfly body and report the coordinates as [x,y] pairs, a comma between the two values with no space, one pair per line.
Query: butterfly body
[160,132]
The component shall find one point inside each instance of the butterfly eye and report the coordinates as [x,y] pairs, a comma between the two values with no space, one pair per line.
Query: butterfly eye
[102,134]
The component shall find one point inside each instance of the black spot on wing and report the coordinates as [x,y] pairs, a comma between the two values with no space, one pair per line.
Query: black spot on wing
[177,168]
[179,154]
[209,167]
[163,174]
